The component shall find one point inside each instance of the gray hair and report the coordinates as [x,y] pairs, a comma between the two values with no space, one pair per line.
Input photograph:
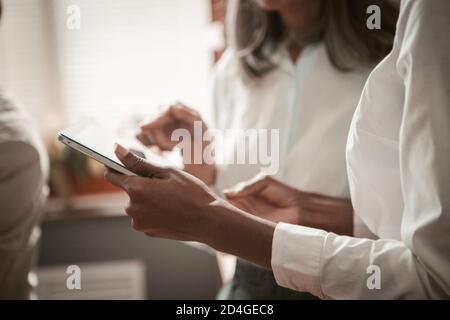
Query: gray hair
[256,34]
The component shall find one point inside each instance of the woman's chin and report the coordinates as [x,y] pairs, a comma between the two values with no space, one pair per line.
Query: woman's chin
[268,5]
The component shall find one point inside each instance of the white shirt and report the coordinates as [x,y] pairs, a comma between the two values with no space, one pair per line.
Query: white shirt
[310,102]
[398,157]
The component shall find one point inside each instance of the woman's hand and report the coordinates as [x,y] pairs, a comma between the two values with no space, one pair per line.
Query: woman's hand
[159,131]
[169,203]
[275,201]
[164,202]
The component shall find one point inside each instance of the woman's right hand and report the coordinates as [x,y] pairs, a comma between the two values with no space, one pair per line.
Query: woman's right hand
[159,131]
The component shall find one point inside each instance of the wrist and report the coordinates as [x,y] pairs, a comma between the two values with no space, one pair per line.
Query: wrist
[215,216]
[231,230]
[205,172]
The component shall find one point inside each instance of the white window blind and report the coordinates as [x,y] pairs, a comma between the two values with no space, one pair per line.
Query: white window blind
[129,57]
[26,72]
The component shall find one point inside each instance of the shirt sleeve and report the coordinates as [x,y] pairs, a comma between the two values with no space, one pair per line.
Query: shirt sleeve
[21,197]
[418,265]
[21,182]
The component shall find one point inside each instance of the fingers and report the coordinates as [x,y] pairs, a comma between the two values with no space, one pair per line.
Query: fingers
[184,114]
[176,112]
[162,120]
[240,203]
[153,133]
[145,138]
[138,165]
[250,187]
[158,132]
[161,138]
[117,179]
[136,187]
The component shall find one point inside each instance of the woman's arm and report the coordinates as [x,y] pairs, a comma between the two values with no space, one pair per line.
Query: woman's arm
[172,204]
[418,266]
[241,234]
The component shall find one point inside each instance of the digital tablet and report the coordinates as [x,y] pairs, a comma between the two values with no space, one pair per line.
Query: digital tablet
[95,142]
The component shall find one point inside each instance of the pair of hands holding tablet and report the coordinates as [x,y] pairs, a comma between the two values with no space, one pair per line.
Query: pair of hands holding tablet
[174,204]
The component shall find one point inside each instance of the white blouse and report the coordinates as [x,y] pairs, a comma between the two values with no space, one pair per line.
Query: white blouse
[310,102]
[398,158]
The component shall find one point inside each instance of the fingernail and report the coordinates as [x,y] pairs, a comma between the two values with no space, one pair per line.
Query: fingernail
[120,150]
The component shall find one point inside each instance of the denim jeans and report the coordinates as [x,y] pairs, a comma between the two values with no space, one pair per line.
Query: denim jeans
[252,282]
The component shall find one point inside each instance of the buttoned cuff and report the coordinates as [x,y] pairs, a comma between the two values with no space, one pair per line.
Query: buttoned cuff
[296,257]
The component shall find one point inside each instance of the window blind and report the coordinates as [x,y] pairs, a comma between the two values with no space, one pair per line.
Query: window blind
[128,57]
[26,74]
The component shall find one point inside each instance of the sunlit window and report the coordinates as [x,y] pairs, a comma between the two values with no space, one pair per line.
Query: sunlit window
[128,58]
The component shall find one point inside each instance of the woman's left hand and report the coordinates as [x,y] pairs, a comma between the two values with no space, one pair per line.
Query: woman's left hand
[273,200]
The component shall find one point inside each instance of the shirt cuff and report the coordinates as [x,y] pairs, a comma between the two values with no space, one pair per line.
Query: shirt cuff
[296,257]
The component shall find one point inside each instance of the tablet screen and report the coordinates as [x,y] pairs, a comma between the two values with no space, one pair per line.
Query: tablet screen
[96,138]
[101,140]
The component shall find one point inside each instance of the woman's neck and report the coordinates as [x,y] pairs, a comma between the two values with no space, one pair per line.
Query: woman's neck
[299,19]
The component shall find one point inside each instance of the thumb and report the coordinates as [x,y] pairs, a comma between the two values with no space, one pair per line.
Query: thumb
[138,165]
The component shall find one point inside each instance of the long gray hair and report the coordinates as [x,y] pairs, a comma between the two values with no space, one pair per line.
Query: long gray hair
[256,34]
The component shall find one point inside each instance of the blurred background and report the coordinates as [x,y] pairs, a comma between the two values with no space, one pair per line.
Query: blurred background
[127,59]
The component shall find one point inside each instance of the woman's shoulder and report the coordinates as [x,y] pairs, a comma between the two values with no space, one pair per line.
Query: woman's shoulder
[13,122]
[18,132]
